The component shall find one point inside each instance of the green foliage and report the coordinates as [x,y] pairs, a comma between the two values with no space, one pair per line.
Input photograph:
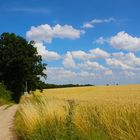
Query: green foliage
[5,95]
[49,86]
[70,126]
[19,62]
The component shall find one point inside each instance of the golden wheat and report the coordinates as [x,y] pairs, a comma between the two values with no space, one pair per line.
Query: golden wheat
[87,113]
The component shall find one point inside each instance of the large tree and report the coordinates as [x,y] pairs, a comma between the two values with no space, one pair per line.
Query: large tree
[19,62]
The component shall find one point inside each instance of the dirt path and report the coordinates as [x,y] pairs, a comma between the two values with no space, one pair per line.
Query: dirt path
[6,123]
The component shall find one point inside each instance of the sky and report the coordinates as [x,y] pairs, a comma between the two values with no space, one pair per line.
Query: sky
[82,41]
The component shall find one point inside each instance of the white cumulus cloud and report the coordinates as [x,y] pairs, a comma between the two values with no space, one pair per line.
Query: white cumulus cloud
[96,53]
[70,58]
[124,61]
[45,33]
[114,63]
[128,58]
[94,65]
[99,53]
[81,55]
[125,41]
[46,55]
[122,41]
[68,61]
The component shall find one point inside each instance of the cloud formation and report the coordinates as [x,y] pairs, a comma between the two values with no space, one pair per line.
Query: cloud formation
[68,61]
[46,33]
[96,53]
[101,40]
[128,58]
[46,55]
[87,61]
[92,23]
[118,67]
[99,53]
[92,65]
[121,41]
[124,41]
[124,61]
[67,76]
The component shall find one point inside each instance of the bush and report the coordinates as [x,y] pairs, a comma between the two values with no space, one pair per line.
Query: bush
[5,95]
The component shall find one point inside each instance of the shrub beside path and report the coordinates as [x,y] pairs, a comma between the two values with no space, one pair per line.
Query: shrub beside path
[6,123]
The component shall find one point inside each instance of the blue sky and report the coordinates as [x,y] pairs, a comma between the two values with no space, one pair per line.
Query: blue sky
[82,41]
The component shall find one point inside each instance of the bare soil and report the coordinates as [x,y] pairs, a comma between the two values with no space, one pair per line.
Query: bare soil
[7,131]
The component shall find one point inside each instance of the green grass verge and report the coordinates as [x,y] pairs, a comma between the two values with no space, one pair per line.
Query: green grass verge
[5,95]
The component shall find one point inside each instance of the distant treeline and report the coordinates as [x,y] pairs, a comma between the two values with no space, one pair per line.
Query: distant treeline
[48,86]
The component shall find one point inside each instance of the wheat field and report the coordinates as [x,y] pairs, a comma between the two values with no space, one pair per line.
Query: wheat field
[83,113]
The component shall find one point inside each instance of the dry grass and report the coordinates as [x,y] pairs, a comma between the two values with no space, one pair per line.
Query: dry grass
[87,113]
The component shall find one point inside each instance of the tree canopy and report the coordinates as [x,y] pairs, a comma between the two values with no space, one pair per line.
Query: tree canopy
[19,62]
